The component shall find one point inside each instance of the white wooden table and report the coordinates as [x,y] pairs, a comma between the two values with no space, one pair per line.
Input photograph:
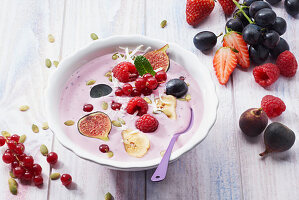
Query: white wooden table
[225,165]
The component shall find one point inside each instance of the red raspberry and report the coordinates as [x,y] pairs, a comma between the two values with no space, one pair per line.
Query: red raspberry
[266,74]
[147,123]
[125,72]
[137,104]
[287,64]
[273,106]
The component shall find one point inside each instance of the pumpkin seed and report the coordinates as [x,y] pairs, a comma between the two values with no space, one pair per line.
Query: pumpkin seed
[163,23]
[122,55]
[5,134]
[148,100]
[90,82]
[162,153]
[35,128]
[94,36]
[188,84]
[44,150]
[22,139]
[104,105]
[121,120]
[110,154]
[54,176]
[188,97]
[45,126]
[69,123]
[181,99]
[11,174]
[114,56]
[13,186]
[56,63]
[110,78]
[108,74]
[108,196]
[48,62]
[24,108]
[116,123]
[51,38]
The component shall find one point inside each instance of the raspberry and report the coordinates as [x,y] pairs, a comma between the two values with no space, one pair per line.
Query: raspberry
[125,72]
[147,123]
[287,64]
[266,74]
[273,106]
[137,104]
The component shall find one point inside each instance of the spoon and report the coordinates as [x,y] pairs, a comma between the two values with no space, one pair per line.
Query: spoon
[161,170]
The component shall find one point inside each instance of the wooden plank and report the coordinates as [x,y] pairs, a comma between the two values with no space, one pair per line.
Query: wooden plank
[105,18]
[23,76]
[211,170]
[276,176]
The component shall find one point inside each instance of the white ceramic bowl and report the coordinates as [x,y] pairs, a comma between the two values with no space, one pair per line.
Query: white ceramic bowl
[70,64]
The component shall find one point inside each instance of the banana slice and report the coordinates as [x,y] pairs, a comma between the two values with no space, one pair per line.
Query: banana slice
[136,143]
[167,105]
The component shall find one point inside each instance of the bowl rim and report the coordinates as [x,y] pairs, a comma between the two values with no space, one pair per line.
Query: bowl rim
[64,65]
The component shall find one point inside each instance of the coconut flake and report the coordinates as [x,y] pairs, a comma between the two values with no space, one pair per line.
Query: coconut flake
[159,69]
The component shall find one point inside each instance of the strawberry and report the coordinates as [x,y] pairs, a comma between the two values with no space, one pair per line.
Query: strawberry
[198,10]
[234,40]
[224,62]
[228,6]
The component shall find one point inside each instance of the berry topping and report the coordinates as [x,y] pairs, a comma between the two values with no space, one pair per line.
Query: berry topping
[52,158]
[228,6]
[266,74]
[140,83]
[104,148]
[198,10]
[115,105]
[147,123]
[152,83]
[127,89]
[287,64]
[146,76]
[66,179]
[125,72]
[161,76]
[135,93]
[119,92]
[273,106]
[146,91]
[87,108]
[137,104]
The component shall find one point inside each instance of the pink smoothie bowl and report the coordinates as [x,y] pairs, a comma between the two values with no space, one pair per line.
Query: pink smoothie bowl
[111,44]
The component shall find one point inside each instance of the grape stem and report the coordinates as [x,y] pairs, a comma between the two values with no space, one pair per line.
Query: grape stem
[241,9]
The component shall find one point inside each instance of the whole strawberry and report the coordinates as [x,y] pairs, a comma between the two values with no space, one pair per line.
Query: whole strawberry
[198,10]
[287,64]
[228,6]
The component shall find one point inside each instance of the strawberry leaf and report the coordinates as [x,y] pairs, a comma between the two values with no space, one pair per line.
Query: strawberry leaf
[143,66]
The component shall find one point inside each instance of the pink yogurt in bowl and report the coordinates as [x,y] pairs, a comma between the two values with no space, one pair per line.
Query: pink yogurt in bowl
[68,93]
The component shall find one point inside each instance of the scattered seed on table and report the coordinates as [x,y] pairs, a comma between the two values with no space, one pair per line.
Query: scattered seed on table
[44,150]
[24,108]
[51,38]
[22,138]
[163,23]
[48,62]
[5,134]
[35,128]
[54,176]
[13,186]
[94,36]
[56,63]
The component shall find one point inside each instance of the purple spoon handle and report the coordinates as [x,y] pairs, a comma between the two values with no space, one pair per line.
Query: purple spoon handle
[161,170]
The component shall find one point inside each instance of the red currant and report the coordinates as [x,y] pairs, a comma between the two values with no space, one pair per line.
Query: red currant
[8,138]
[115,106]
[119,92]
[66,179]
[37,169]
[87,108]
[11,144]
[104,148]
[8,158]
[18,172]
[20,149]
[15,138]
[21,157]
[127,89]
[28,162]
[161,76]
[27,176]
[52,158]
[147,91]
[152,83]
[8,151]
[146,76]
[2,141]
[182,78]
[135,93]
[140,84]
[14,164]
[38,180]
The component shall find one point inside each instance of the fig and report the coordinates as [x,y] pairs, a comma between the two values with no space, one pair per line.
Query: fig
[95,125]
[100,90]
[159,58]
[253,121]
[278,138]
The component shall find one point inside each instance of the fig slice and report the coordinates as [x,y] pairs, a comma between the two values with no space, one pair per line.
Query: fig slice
[159,58]
[95,125]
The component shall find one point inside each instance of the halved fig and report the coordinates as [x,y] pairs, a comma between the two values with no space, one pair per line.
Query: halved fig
[95,125]
[158,58]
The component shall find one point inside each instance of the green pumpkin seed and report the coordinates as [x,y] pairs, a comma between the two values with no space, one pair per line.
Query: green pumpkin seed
[104,105]
[54,176]
[5,134]
[90,82]
[94,36]
[108,74]
[147,100]
[24,108]
[188,97]
[69,123]
[116,123]
[122,121]
[11,174]
[51,38]
[13,186]
[110,154]
[35,128]
[181,99]
[188,84]
[56,63]
[108,196]
[110,78]
[114,56]
[22,139]
[163,23]
[44,150]
[45,126]
[48,63]
[162,153]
